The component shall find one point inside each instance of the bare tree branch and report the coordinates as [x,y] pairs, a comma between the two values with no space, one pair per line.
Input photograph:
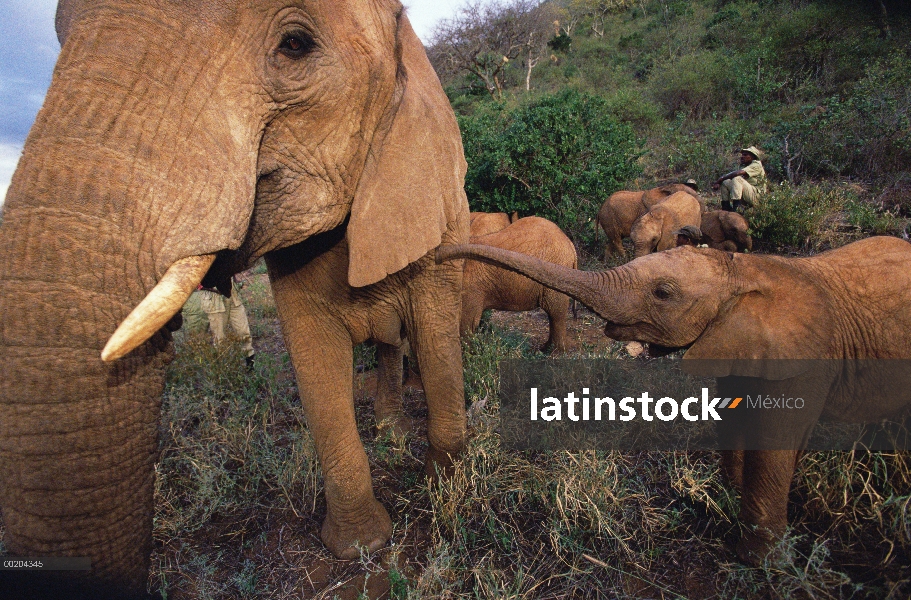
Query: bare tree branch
[484,37]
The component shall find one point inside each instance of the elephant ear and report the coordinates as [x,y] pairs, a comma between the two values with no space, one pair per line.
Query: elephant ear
[413,181]
[761,331]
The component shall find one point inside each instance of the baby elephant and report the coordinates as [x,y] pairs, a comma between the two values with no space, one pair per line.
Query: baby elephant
[620,211]
[721,230]
[655,231]
[483,223]
[486,286]
[747,312]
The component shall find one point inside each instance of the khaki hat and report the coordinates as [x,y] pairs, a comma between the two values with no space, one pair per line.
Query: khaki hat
[692,183]
[756,152]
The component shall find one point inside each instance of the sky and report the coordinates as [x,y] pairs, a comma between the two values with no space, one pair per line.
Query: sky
[29,48]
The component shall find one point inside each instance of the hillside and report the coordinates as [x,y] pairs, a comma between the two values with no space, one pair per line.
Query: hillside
[823,88]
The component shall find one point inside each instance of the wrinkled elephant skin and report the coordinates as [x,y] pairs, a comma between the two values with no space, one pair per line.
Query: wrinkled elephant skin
[177,133]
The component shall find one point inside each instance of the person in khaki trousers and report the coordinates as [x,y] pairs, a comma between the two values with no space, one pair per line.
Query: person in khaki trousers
[743,187]
[208,305]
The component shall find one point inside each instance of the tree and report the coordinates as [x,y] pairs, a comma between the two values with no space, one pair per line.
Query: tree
[484,37]
[557,157]
[597,10]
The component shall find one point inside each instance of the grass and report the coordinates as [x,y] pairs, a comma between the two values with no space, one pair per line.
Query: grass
[239,503]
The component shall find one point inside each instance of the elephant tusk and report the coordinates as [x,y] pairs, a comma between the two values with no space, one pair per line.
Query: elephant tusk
[157,308]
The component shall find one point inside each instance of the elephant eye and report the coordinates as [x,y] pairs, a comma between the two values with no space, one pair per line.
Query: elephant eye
[296,44]
[662,291]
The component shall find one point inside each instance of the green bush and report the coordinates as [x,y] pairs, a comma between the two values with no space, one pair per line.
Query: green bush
[556,157]
[703,150]
[817,216]
[696,83]
[865,133]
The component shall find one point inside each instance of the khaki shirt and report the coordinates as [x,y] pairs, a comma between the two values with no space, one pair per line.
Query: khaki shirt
[756,175]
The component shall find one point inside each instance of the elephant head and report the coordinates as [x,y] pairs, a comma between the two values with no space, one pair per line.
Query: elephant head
[736,306]
[648,234]
[655,230]
[183,140]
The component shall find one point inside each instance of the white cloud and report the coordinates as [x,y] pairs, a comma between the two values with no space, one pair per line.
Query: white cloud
[9,157]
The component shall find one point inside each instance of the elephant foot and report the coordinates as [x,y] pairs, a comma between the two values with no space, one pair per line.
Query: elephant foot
[438,464]
[396,424]
[346,540]
[556,349]
[755,545]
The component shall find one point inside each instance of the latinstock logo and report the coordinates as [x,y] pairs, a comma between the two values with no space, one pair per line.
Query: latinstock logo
[629,408]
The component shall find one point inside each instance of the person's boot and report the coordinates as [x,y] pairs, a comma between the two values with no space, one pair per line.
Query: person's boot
[249,361]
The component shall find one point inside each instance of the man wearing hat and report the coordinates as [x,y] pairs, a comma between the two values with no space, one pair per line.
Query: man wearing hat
[742,187]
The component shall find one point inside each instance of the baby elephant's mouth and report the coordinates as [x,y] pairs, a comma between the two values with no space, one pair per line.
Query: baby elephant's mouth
[646,333]
[635,332]
[655,350]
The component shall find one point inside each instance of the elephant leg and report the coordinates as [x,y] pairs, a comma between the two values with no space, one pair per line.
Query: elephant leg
[556,305]
[767,478]
[387,406]
[472,310]
[434,338]
[614,248]
[322,355]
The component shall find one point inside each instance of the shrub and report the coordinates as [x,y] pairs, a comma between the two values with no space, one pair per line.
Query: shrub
[697,83]
[702,150]
[816,216]
[556,157]
[865,133]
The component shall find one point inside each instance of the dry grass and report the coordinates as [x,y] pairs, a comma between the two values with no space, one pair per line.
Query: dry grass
[239,502]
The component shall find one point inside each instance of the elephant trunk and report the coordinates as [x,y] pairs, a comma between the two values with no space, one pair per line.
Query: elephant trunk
[587,287]
[116,187]
[78,437]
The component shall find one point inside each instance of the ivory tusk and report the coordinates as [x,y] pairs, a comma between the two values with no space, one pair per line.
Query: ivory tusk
[157,308]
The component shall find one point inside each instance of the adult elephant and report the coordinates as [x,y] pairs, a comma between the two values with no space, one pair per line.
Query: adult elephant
[487,286]
[621,209]
[178,142]
[850,303]
[656,230]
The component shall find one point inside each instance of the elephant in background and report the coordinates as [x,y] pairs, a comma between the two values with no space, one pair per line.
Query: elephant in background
[621,209]
[179,142]
[656,230]
[849,303]
[721,230]
[481,223]
[486,286]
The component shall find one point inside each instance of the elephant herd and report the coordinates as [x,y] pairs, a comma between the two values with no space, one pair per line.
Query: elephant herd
[652,218]
[180,142]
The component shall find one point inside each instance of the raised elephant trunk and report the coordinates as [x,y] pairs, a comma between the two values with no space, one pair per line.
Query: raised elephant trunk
[585,286]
